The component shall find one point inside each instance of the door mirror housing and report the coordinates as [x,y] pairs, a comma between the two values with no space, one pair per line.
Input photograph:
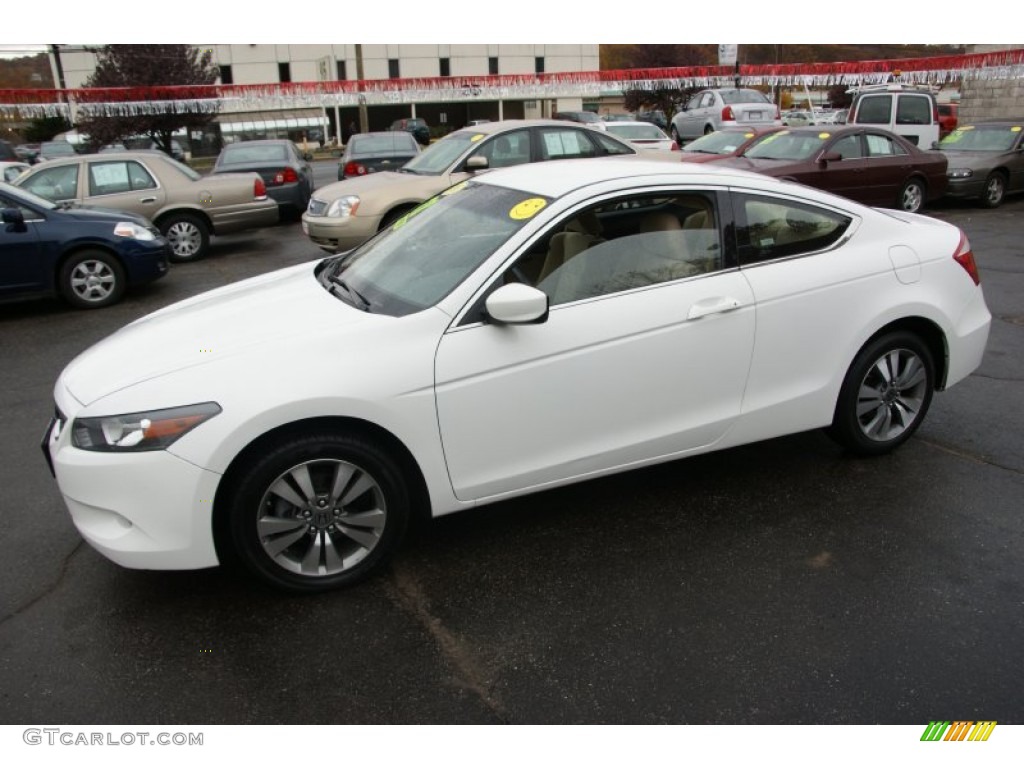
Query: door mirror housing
[477,163]
[829,157]
[517,304]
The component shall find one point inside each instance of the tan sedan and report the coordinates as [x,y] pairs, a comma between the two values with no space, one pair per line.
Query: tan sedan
[185,206]
[342,215]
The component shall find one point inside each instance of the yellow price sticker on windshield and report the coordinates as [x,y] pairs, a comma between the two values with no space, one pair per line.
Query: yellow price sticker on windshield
[1015,129]
[478,136]
[415,211]
[457,188]
[748,135]
[527,209]
[824,135]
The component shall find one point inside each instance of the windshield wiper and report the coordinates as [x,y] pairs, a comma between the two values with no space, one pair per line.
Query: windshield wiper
[354,297]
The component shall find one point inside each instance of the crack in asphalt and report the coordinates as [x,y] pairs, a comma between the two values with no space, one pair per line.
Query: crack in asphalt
[469,670]
[49,590]
[959,452]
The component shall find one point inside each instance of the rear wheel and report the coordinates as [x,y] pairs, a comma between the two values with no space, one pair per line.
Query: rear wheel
[911,197]
[885,395]
[709,129]
[188,236]
[995,190]
[319,512]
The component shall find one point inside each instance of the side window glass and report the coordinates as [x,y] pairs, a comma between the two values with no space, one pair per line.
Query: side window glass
[27,213]
[623,244]
[139,177]
[880,146]
[875,110]
[55,184]
[769,228]
[108,179]
[848,147]
[507,149]
[913,110]
[563,144]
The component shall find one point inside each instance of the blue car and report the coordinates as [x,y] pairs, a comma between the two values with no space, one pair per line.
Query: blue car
[87,256]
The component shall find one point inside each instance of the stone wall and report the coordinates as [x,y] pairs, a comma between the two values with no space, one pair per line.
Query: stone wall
[991,99]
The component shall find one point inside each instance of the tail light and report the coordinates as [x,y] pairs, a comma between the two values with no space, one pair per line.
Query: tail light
[259,189]
[964,256]
[285,176]
[727,114]
[352,168]
[674,147]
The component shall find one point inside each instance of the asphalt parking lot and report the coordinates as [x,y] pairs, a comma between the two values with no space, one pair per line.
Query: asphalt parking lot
[776,583]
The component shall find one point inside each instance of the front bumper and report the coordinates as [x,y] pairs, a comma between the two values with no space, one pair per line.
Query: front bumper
[339,234]
[972,186]
[147,510]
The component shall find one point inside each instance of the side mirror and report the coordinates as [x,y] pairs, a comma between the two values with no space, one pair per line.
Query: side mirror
[517,304]
[14,219]
[477,163]
[829,157]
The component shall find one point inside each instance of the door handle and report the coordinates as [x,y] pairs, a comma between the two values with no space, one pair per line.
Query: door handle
[713,306]
[147,199]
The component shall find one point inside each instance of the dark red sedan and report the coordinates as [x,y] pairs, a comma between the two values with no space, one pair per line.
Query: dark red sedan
[869,165]
[727,142]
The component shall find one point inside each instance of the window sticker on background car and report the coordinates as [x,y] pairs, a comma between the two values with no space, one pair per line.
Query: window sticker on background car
[824,135]
[527,209]
[477,137]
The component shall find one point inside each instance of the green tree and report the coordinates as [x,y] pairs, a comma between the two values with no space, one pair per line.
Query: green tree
[45,128]
[133,66]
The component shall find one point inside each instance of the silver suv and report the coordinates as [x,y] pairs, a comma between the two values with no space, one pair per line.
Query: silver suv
[717,108]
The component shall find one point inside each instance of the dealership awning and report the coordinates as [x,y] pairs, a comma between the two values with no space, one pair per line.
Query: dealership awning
[278,120]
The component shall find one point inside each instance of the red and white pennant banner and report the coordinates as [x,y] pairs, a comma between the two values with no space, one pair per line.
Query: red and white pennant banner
[163,99]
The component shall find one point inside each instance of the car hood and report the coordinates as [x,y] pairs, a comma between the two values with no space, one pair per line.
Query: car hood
[974,160]
[769,167]
[211,328]
[381,189]
[86,213]
[700,157]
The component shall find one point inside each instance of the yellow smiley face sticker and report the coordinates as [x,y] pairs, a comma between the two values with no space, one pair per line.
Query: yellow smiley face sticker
[1015,129]
[824,135]
[477,137]
[527,209]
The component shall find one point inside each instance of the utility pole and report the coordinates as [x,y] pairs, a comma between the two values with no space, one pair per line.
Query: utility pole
[364,117]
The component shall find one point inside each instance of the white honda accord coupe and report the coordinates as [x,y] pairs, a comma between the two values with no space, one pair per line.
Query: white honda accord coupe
[529,328]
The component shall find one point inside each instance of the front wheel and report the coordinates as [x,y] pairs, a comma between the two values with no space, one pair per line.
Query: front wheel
[995,191]
[319,512]
[911,197]
[91,279]
[885,395]
[188,236]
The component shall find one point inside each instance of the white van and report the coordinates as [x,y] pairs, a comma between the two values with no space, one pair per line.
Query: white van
[910,112]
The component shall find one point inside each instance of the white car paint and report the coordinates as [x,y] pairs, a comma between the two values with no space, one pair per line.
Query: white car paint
[490,411]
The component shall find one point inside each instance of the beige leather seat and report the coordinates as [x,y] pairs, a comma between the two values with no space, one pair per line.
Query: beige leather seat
[578,234]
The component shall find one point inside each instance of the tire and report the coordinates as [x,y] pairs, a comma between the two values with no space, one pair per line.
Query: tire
[995,190]
[392,216]
[91,279]
[676,137]
[189,236]
[912,196]
[318,512]
[885,395]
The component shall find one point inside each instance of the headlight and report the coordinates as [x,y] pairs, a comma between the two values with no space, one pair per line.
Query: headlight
[146,431]
[343,207]
[134,231]
[959,173]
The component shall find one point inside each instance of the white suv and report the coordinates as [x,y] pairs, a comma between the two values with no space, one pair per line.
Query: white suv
[910,112]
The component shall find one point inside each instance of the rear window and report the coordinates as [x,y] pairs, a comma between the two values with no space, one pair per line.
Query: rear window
[387,143]
[914,110]
[266,153]
[744,96]
[874,110]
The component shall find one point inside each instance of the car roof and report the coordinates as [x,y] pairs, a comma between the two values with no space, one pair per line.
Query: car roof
[508,125]
[558,178]
[258,141]
[107,157]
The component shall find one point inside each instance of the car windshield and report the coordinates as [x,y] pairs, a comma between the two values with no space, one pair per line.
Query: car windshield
[646,131]
[253,153]
[719,142]
[977,138]
[387,142]
[23,195]
[439,156]
[743,96]
[787,146]
[423,256]
[56,149]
